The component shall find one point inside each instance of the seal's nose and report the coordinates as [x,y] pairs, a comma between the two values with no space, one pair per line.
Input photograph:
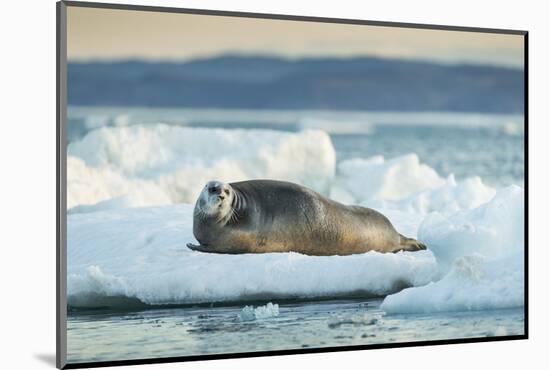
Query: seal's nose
[221,197]
[214,189]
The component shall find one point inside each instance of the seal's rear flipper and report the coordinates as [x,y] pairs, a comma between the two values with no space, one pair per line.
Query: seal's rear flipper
[410,245]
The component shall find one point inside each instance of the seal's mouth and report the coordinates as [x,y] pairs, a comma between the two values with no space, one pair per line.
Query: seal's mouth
[218,201]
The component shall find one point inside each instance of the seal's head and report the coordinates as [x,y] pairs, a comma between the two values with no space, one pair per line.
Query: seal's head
[215,200]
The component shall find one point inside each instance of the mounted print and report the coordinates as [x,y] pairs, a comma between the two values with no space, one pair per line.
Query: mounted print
[235,184]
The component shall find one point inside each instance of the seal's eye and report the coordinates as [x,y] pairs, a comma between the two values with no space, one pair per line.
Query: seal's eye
[226,191]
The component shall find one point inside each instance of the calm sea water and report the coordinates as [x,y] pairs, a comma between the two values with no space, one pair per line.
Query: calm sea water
[104,336]
[493,155]
[491,147]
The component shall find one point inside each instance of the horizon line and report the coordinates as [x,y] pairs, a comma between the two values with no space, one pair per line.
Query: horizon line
[288,58]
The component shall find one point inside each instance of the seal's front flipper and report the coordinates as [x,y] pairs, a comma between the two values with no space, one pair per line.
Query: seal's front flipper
[211,249]
[202,248]
[198,248]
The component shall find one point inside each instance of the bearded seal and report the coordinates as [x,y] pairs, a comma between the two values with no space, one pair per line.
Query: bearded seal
[264,216]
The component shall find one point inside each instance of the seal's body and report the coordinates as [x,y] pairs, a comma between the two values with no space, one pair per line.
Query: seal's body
[262,216]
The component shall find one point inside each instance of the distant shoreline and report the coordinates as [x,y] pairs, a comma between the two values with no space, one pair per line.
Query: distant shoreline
[249,82]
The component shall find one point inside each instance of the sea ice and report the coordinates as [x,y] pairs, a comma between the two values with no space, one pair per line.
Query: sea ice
[118,253]
[479,253]
[153,165]
[141,254]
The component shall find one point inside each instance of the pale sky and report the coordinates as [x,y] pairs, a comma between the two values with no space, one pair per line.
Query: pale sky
[109,34]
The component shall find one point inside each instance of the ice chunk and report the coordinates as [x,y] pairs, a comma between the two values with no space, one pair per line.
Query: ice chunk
[447,198]
[480,254]
[376,178]
[249,313]
[160,164]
